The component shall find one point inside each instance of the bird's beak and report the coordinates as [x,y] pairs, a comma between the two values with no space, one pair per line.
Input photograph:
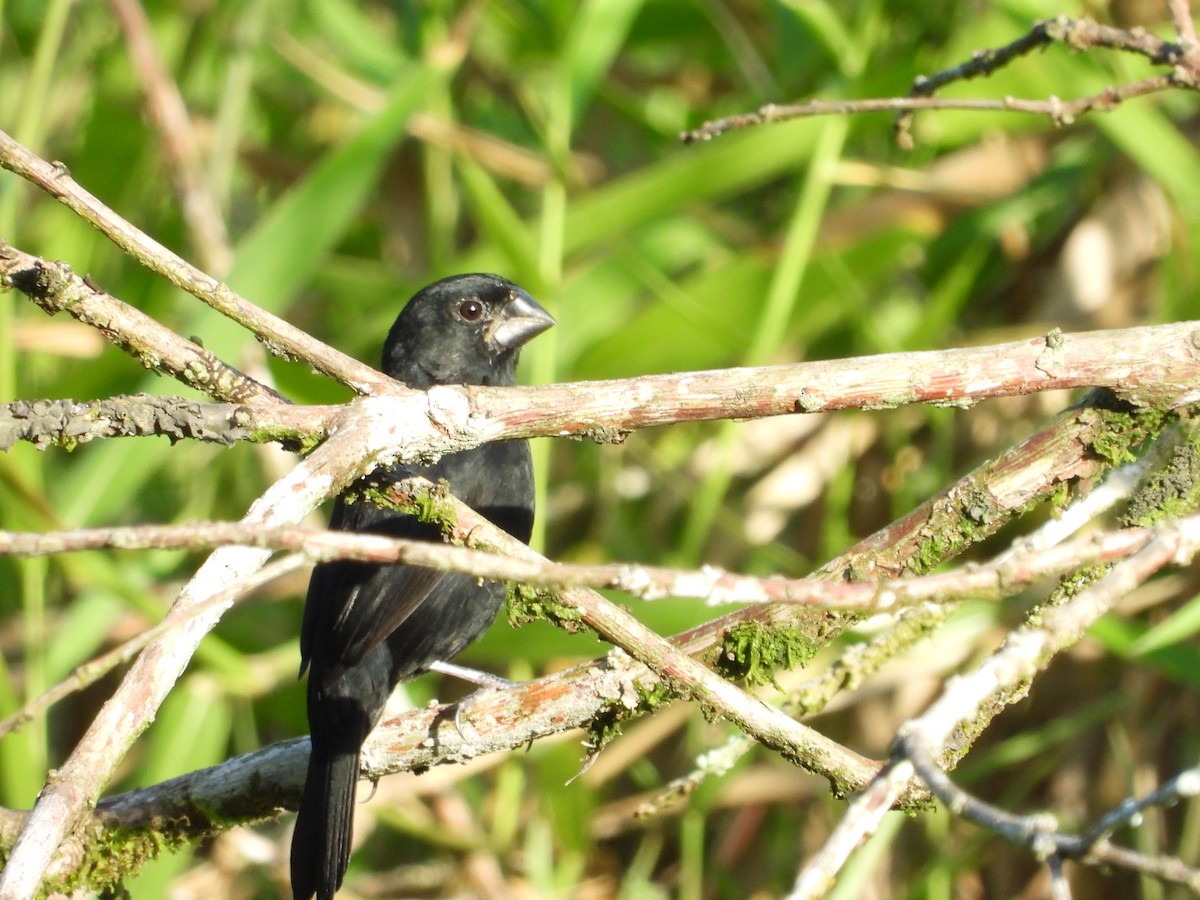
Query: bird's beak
[521,319]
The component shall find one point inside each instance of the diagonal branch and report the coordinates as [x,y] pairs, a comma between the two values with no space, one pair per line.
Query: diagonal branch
[936,731]
[54,287]
[279,336]
[74,787]
[1001,577]
[684,676]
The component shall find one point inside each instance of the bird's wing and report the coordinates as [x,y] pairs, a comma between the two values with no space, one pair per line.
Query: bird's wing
[353,606]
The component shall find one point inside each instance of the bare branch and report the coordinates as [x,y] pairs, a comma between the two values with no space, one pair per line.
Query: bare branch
[1061,112]
[1010,572]
[73,788]
[54,287]
[1040,832]
[280,337]
[1076,34]
[1164,868]
[1147,365]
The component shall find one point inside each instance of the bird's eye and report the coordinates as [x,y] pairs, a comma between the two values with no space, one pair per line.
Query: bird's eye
[470,310]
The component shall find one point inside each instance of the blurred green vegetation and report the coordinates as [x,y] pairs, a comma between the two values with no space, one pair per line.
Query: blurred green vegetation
[359,150]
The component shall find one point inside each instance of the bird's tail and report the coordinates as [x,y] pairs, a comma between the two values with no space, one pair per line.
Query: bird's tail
[321,841]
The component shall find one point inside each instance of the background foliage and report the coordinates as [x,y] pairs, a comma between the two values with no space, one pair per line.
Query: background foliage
[359,150]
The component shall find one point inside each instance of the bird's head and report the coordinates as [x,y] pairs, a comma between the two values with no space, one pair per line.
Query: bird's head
[467,329]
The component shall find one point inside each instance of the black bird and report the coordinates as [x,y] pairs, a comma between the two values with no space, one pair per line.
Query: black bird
[368,627]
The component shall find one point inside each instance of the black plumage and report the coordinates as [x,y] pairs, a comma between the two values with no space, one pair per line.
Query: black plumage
[368,627]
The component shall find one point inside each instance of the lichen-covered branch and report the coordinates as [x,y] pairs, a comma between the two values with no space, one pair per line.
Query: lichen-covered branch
[67,423]
[54,287]
[1148,366]
[712,585]
[940,735]
[839,764]
[1071,451]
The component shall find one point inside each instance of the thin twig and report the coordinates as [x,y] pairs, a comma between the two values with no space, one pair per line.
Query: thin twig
[1061,112]
[1076,34]
[1040,832]
[1163,868]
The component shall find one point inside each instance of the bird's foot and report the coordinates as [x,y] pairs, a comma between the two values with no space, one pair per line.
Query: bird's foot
[486,682]
[474,676]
